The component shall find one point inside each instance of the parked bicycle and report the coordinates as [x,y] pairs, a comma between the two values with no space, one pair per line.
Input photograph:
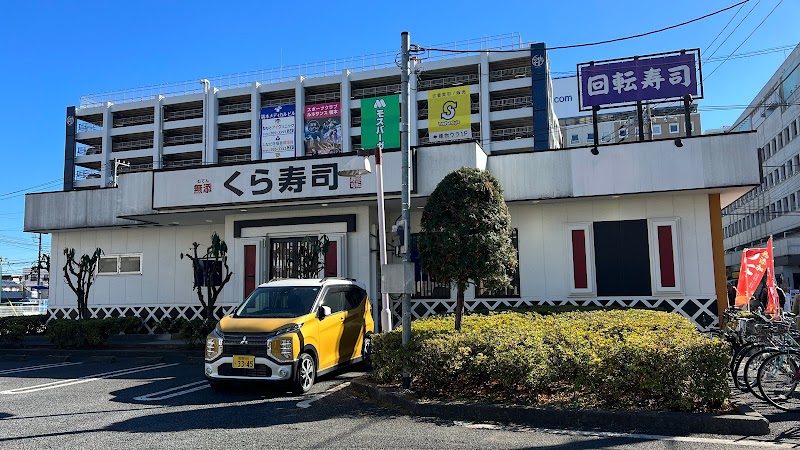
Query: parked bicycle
[765,356]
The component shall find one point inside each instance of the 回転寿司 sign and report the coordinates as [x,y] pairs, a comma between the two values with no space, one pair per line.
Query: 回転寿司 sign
[660,77]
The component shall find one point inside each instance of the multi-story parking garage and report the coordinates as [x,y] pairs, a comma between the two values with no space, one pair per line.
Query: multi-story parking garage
[255,158]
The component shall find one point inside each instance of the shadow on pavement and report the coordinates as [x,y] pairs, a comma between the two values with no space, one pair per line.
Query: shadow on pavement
[240,416]
[235,393]
[4,416]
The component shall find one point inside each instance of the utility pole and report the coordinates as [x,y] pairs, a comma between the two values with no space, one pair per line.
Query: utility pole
[2,260]
[117,163]
[405,150]
[39,269]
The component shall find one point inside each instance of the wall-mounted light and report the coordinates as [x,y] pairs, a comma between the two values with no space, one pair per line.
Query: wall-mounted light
[678,142]
[595,151]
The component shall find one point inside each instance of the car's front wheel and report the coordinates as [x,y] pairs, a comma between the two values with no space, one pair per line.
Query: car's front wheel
[305,375]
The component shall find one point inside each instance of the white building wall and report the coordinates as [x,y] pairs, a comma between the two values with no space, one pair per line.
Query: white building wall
[165,280]
[543,237]
[543,241]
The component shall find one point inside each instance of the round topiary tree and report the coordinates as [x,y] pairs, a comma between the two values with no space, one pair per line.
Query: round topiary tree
[466,233]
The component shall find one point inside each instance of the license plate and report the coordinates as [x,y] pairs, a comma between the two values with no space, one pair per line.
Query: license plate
[244,362]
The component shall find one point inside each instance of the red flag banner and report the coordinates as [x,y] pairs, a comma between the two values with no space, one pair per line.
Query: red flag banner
[754,264]
[773,306]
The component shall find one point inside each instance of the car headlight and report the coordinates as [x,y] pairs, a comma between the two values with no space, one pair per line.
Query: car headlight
[284,346]
[213,345]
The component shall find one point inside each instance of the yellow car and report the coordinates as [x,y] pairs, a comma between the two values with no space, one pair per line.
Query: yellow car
[292,330]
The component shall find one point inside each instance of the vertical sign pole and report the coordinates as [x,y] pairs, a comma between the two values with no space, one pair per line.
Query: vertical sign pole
[595,128]
[687,101]
[386,311]
[640,117]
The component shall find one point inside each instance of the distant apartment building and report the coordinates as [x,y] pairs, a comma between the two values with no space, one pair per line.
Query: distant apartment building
[771,209]
[617,125]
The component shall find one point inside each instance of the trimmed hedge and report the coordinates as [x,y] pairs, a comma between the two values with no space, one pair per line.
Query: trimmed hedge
[632,359]
[67,333]
[12,329]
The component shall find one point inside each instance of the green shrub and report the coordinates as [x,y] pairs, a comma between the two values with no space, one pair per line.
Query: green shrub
[124,325]
[13,329]
[194,332]
[11,332]
[636,359]
[67,333]
[170,325]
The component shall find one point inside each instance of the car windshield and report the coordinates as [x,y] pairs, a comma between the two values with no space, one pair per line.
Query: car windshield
[279,302]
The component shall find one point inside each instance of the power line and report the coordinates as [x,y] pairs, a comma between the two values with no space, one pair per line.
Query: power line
[588,44]
[11,194]
[745,39]
[734,28]
[726,26]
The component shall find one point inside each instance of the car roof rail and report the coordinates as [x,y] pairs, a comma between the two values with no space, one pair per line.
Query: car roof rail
[337,278]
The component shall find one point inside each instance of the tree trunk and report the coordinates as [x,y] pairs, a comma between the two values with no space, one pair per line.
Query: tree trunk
[460,304]
[83,310]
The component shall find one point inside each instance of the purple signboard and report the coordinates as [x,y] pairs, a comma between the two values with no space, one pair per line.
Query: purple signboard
[656,78]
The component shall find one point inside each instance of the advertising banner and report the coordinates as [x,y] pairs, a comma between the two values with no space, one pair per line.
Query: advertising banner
[629,81]
[323,129]
[753,266]
[277,132]
[449,114]
[380,122]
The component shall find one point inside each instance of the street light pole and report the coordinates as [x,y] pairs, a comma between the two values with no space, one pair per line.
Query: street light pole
[386,311]
[356,167]
[405,152]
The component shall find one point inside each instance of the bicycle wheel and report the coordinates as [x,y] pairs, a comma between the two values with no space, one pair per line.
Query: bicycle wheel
[740,364]
[778,377]
[751,366]
[736,352]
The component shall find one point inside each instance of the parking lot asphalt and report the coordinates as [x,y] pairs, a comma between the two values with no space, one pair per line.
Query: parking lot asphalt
[141,403]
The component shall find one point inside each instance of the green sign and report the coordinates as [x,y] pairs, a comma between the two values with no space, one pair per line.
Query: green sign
[380,122]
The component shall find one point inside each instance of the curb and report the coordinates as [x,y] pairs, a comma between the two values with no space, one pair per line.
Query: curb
[164,353]
[747,423]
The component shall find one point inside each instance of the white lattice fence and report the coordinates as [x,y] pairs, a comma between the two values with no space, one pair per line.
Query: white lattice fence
[701,311]
[150,315]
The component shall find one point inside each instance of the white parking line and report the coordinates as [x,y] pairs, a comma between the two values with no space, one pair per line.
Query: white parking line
[39,367]
[181,390]
[637,436]
[85,379]
[307,403]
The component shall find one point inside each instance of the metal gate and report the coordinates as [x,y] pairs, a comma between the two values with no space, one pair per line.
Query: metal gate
[293,258]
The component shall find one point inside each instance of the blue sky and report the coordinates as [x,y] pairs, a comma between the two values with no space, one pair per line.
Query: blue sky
[57,51]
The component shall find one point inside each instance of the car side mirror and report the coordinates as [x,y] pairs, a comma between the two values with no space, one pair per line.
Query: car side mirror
[324,311]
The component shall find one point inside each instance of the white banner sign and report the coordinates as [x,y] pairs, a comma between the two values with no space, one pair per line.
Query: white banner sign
[277,132]
[269,181]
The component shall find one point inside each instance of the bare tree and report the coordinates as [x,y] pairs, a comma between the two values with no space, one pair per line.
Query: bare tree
[41,263]
[210,271]
[84,271]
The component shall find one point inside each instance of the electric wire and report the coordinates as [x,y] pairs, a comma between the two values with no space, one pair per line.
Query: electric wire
[745,39]
[588,44]
[734,29]
[726,26]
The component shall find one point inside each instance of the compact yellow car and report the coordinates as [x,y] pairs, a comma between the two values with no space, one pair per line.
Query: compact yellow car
[292,330]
